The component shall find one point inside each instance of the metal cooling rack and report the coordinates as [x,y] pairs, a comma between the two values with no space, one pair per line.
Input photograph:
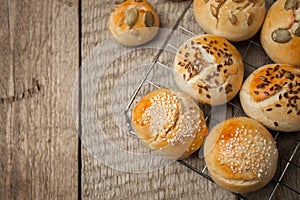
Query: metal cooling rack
[285,161]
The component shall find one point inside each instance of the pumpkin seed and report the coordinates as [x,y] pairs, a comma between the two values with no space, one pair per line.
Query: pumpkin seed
[119,1]
[281,36]
[250,17]
[148,19]
[232,18]
[297,31]
[289,4]
[131,16]
[213,10]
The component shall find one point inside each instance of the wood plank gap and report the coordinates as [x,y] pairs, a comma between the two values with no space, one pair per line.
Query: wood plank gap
[79,98]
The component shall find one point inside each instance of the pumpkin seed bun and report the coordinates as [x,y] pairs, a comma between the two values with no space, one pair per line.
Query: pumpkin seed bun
[133,22]
[280,35]
[271,95]
[235,20]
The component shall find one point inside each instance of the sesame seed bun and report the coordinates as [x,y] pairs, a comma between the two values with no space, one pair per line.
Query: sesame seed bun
[241,155]
[235,20]
[169,122]
[271,95]
[209,68]
[133,23]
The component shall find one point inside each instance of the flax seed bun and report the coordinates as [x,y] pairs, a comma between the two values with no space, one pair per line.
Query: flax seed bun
[133,22]
[169,122]
[280,35]
[241,155]
[209,68]
[271,95]
[235,20]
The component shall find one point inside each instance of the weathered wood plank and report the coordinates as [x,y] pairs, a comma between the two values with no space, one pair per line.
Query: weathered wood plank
[39,61]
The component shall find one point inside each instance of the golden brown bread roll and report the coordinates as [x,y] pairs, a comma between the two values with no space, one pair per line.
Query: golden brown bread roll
[133,22]
[209,68]
[169,122]
[280,35]
[234,20]
[241,155]
[271,95]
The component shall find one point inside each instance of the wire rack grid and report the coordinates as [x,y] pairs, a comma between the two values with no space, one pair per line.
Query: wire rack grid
[288,157]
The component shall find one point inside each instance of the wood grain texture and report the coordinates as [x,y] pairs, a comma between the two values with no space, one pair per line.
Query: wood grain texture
[102,182]
[39,60]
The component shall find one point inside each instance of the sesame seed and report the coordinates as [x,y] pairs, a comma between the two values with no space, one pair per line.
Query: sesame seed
[246,152]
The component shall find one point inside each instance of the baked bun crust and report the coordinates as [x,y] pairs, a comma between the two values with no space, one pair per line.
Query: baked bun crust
[169,122]
[280,35]
[133,22]
[241,155]
[209,68]
[234,20]
[271,95]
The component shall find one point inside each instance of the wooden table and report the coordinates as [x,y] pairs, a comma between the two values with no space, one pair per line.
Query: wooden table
[43,44]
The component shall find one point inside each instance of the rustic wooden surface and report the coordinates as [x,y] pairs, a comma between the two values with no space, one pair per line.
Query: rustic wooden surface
[39,61]
[40,56]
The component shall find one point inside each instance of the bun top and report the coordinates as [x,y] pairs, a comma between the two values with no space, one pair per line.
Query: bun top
[157,113]
[271,79]
[169,121]
[218,51]
[240,149]
[280,35]
[133,22]
[134,14]
[235,20]
[211,67]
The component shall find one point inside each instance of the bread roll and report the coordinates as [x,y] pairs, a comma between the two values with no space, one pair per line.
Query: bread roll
[234,20]
[209,69]
[280,35]
[241,155]
[133,22]
[169,122]
[271,95]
